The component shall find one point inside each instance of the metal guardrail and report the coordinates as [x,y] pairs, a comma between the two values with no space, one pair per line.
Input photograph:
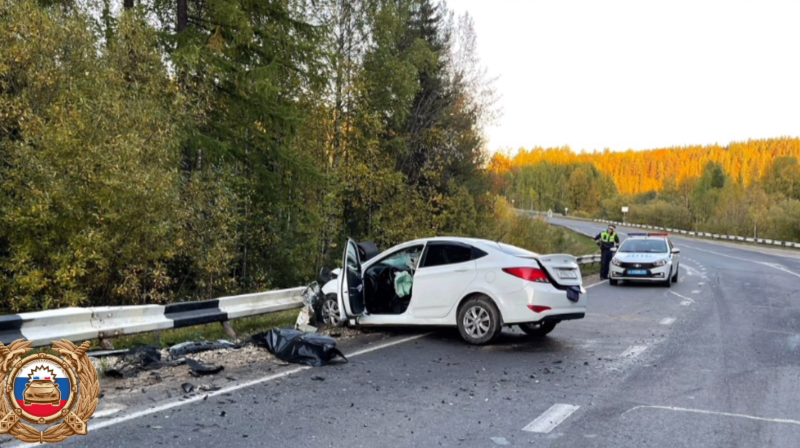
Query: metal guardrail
[80,324]
[762,241]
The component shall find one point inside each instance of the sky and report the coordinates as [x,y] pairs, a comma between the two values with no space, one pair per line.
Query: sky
[639,74]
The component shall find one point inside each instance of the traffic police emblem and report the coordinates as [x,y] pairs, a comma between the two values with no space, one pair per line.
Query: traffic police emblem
[42,388]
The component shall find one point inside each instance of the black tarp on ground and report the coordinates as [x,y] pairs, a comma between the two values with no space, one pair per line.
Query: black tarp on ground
[298,347]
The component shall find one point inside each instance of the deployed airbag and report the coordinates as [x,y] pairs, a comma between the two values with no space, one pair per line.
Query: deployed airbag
[402,283]
[298,347]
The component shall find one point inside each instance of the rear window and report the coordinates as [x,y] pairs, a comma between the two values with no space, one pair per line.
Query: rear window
[515,251]
[646,246]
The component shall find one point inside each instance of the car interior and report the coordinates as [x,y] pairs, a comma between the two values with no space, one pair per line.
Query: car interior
[388,283]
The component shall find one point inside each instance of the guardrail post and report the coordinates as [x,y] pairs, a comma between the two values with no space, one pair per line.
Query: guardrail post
[106,344]
[226,325]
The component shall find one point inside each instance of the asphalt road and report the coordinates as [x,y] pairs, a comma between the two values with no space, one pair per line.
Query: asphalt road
[712,362]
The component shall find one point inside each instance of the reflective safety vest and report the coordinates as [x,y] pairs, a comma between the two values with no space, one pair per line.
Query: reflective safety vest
[607,237]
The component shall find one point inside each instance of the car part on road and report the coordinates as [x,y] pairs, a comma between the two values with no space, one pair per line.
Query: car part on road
[538,329]
[198,368]
[178,351]
[328,311]
[479,321]
[298,347]
[187,387]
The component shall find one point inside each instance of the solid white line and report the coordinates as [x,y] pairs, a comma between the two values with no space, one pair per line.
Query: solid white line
[771,265]
[551,418]
[724,414]
[667,321]
[595,284]
[106,412]
[633,351]
[682,297]
[235,387]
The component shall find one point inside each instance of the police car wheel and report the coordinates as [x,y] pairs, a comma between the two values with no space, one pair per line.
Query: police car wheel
[613,282]
[675,277]
[668,281]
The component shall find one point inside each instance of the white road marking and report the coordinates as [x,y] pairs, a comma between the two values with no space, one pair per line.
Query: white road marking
[686,303]
[682,297]
[667,321]
[106,412]
[595,284]
[225,390]
[724,414]
[696,291]
[551,418]
[633,351]
[771,265]
[500,441]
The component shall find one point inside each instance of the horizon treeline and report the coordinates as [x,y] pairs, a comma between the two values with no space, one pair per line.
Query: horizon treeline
[748,188]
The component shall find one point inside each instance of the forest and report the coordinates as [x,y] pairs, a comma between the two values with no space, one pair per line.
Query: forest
[748,188]
[165,150]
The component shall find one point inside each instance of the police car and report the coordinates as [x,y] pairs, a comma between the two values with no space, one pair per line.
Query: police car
[646,257]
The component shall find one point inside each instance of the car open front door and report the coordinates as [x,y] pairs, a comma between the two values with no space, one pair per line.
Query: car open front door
[352,290]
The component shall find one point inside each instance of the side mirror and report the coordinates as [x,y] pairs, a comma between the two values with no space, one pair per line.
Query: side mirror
[675,250]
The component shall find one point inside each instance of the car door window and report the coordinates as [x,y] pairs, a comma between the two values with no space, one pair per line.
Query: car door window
[442,254]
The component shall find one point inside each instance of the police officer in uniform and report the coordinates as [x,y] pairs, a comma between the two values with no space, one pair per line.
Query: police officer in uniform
[606,241]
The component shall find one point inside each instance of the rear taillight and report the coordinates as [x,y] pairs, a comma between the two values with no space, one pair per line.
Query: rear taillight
[530,274]
[538,308]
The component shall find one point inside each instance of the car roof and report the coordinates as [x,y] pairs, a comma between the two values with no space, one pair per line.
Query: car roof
[480,242]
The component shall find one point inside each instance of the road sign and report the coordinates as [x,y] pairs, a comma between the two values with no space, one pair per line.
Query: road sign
[624,209]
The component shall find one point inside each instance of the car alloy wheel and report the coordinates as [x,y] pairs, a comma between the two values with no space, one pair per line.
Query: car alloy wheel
[329,311]
[477,322]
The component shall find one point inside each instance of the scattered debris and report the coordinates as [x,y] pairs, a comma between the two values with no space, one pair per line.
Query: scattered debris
[223,414]
[187,348]
[500,441]
[298,347]
[209,388]
[198,368]
[187,387]
[317,378]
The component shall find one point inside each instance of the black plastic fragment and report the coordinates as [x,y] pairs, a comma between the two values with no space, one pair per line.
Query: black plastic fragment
[198,368]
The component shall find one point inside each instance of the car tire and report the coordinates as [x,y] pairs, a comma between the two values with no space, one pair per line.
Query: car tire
[538,329]
[668,282]
[328,311]
[613,282]
[675,277]
[479,321]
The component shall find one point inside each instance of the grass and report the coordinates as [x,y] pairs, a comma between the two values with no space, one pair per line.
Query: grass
[577,244]
[244,328]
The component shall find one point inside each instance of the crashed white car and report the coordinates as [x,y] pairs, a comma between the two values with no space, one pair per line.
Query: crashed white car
[646,257]
[477,285]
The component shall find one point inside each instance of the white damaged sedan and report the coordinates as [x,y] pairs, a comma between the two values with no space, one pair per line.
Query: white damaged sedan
[474,284]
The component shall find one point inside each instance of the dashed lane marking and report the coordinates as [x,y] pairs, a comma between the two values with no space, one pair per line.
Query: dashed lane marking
[696,291]
[551,418]
[667,321]
[724,414]
[685,299]
[633,351]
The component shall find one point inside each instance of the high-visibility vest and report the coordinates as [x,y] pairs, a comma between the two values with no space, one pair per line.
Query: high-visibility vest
[606,237]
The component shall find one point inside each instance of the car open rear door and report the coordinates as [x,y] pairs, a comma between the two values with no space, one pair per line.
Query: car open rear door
[352,289]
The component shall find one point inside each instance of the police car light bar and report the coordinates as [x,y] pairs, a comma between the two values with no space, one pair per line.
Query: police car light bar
[658,234]
[637,234]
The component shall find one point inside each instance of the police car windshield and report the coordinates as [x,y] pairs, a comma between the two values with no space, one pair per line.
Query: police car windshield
[647,246]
